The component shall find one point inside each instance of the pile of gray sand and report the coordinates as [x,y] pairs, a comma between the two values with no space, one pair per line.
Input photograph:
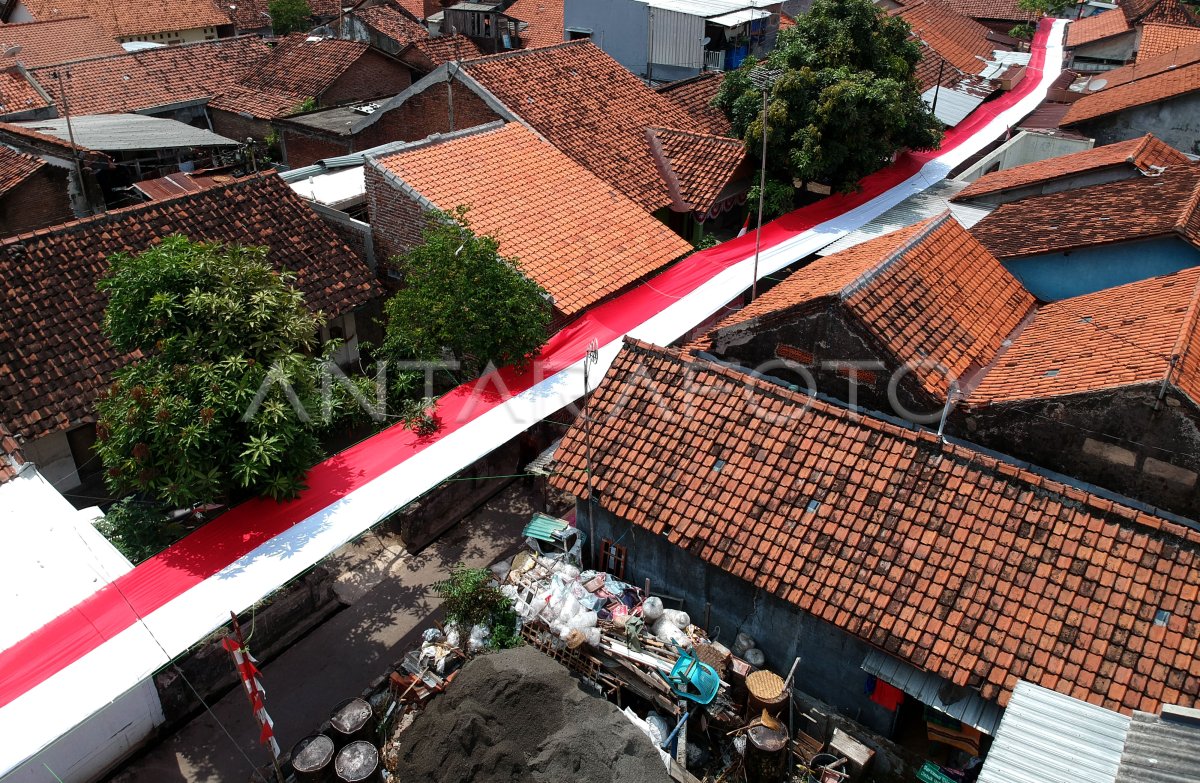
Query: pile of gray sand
[520,716]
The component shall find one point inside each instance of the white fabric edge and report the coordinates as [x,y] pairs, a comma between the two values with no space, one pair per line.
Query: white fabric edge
[38,717]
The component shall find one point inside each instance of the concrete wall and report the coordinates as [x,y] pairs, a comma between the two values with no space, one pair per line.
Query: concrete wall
[830,666]
[619,27]
[1104,55]
[1176,121]
[1115,439]
[1076,272]
[175,36]
[52,455]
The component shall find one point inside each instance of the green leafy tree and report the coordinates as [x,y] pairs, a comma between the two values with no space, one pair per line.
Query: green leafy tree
[843,100]
[460,295]
[208,410]
[1046,7]
[289,16]
[139,529]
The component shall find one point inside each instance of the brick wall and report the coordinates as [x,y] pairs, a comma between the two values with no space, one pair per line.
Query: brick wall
[239,128]
[427,113]
[372,76]
[40,201]
[304,149]
[397,221]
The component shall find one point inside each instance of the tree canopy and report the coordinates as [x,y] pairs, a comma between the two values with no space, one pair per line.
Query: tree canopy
[289,16]
[460,295]
[208,410]
[843,99]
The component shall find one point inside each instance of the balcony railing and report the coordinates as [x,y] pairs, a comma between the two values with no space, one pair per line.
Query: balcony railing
[714,60]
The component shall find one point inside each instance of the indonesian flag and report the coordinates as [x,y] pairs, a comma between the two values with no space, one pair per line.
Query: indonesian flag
[745,226]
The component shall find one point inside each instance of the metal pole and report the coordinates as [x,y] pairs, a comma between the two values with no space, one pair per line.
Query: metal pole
[938,88]
[592,356]
[62,91]
[762,189]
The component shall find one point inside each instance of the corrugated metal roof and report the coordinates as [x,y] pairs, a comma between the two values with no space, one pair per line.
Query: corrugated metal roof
[934,200]
[1047,737]
[926,687]
[543,527]
[953,104]
[1160,750]
[706,8]
[740,17]
[117,132]
[1000,62]
[543,464]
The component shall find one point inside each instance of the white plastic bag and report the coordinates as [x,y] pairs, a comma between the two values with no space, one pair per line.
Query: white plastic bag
[652,609]
[677,617]
[583,620]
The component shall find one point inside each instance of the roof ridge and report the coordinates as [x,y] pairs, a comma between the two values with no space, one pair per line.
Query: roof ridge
[995,463]
[1190,209]
[693,134]
[149,52]
[931,224]
[20,239]
[1186,342]
[77,17]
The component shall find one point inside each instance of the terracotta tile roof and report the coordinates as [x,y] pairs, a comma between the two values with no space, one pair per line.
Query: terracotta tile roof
[961,564]
[156,77]
[54,355]
[390,21]
[1120,336]
[695,96]
[16,167]
[414,7]
[11,456]
[57,41]
[1001,10]
[1152,89]
[298,66]
[590,107]
[1139,153]
[786,22]
[1132,209]
[1163,11]
[545,18]
[574,234]
[132,19]
[698,168]
[961,41]
[1159,39]
[1148,66]
[927,293]
[447,48]
[17,93]
[1097,27]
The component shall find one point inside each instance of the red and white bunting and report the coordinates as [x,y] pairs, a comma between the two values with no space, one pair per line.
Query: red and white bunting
[247,668]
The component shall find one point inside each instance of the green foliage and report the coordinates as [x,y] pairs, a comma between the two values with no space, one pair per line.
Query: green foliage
[306,105]
[1023,31]
[845,101]
[460,295]
[705,241]
[289,16]
[470,598]
[139,530]
[1046,7]
[780,199]
[214,325]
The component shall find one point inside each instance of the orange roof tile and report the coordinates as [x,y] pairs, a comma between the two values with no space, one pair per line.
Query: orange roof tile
[1159,39]
[786,22]
[133,19]
[18,94]
[572,233]
[1111,100]
[1122,336]
[695,96]
[54,354]
[588,106]
[927,293]
[446,48]
[16,167]
[156,77]
[1132,209]
[545,18]
[961,41]
[1000,10]
[697,168]
[1140,154]
[1097,27]
[1161,11]
[964,565]
[393,23]
[57,40]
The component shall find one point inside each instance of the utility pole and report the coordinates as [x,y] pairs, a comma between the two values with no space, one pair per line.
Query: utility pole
[66,105]
[592,357]
[763,78]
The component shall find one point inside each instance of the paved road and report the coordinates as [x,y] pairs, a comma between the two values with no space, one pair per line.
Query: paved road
[390,596]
